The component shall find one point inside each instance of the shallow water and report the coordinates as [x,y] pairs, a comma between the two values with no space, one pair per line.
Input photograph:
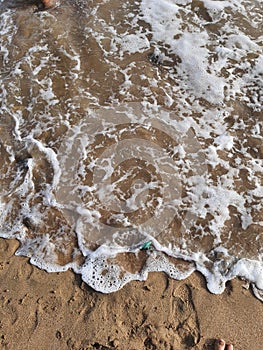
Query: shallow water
[124,124]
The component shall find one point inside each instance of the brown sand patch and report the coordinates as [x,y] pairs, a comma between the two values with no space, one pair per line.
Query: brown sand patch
[58,311]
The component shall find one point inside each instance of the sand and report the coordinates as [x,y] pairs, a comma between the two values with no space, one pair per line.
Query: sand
[47,311]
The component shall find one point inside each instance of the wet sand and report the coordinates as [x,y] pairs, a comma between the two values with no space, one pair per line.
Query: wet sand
[58,311]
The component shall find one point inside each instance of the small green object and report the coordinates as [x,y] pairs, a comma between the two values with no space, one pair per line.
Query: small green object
[146,245]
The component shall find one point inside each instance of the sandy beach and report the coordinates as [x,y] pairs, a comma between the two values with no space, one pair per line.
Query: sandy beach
[179,171]
[58,311]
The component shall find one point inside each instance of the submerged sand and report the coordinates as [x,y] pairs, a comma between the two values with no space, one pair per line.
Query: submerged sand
[58,311]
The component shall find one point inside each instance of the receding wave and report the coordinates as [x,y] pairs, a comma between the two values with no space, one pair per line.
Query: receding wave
[131,139]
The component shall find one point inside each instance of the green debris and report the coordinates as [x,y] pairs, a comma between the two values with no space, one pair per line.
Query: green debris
[146,245]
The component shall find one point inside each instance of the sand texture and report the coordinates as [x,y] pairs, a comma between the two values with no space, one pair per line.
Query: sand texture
[58,311]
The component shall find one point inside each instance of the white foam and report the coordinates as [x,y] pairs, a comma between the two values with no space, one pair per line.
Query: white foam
[133,43]
[224,142]
[206,65]
[50,155]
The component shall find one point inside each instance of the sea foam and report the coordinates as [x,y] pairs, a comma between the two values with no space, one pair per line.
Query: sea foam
[132,127]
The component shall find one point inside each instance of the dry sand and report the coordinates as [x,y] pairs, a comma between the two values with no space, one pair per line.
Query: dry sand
[41,311]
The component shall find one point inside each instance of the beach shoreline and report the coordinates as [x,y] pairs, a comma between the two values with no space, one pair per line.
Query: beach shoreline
[41,310]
